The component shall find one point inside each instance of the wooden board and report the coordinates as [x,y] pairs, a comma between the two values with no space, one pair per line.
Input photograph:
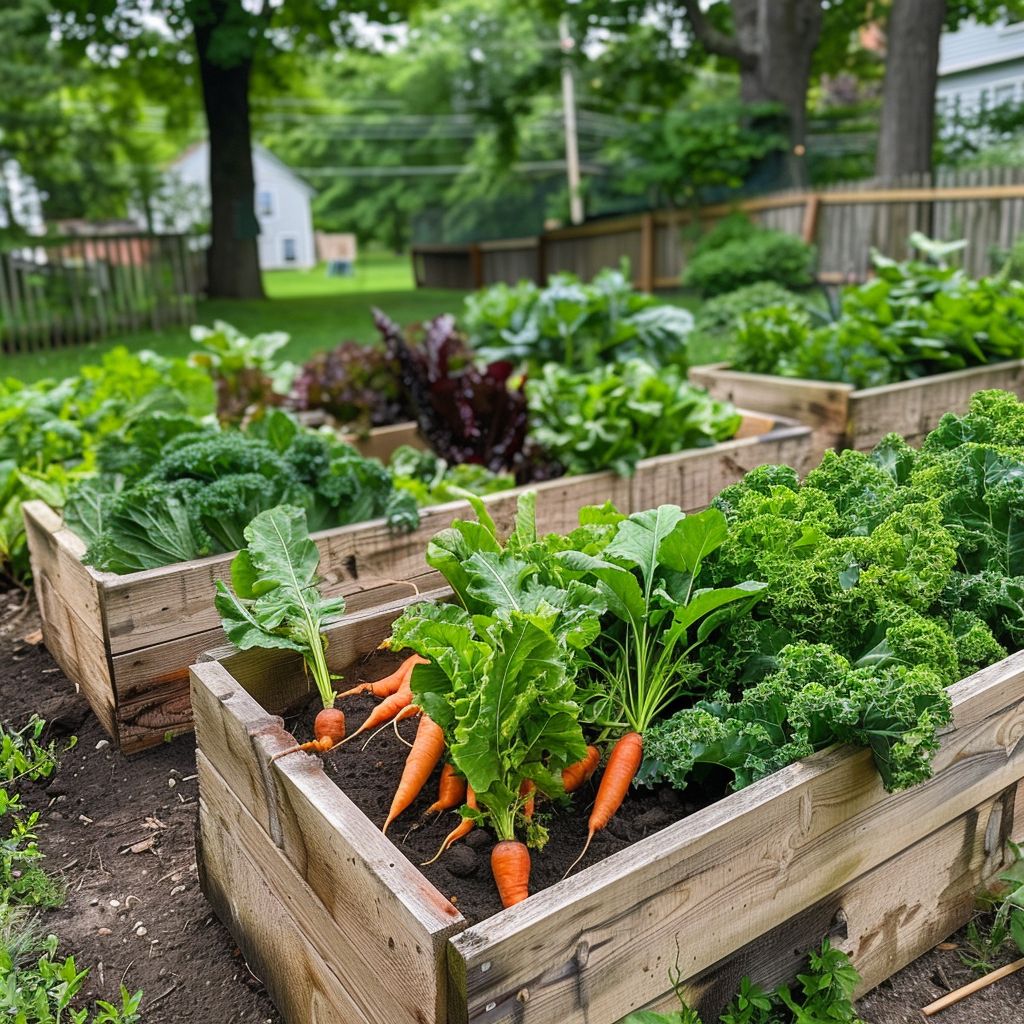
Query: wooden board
[741,887]
[127,641]
[841,417]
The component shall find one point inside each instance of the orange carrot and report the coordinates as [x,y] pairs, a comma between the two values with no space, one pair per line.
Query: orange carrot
[451,791]
[407,712]
[618,774]
[463,828]
[576,774]
[426,751]
[386,709]
[389,684]
[510,865]
[329,730]
[528,789]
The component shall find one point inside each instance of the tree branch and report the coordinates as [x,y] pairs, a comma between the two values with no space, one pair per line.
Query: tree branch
[714,41]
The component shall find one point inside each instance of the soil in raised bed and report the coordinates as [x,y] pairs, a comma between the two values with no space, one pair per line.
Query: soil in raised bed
[463,874]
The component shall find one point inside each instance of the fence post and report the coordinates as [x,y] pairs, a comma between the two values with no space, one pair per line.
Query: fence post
[476,266]
[542,259]
[647,253]
[810,225]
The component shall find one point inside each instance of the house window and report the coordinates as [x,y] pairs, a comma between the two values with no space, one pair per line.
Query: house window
[265,204]
[289,250]
[1004,94]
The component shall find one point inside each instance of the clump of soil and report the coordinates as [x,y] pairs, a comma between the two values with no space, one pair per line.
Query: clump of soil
[369,777]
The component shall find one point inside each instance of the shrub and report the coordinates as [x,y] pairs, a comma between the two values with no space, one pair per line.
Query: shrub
[718,318]
[761,256]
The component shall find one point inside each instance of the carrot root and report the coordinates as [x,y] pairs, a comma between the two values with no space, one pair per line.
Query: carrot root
[389,684]
[618,774]
[451,791]
[463,828]
[422,760]
[510,865]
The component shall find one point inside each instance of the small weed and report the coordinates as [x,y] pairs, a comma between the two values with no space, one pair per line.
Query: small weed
[986,940]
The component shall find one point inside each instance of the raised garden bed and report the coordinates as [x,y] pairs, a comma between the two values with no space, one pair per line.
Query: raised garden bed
[127,641]
[341,927]
[381,442]
[843,417]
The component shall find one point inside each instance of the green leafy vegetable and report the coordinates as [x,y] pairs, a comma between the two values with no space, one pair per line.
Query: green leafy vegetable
[273,600]
[617,414]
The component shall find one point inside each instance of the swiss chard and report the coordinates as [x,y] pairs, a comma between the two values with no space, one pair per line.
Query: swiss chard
[274,601]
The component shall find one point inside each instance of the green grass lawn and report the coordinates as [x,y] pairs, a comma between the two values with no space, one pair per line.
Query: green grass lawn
[316,310]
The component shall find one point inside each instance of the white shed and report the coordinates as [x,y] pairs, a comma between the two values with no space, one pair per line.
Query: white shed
[282,202]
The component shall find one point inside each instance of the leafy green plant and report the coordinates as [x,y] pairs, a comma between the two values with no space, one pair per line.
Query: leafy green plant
[431,481]
[580,326]
[648,575]
[49,431]
[743,256]
[1005,925]
[274,601]
[612,417]
[189,494]
[913,319]
[718,318]
[823,995]
[244,370]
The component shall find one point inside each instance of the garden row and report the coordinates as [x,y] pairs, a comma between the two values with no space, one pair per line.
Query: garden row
[873,603]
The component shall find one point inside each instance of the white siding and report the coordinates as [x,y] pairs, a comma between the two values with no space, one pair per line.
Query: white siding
[978,46]
[24,199]
[286,227]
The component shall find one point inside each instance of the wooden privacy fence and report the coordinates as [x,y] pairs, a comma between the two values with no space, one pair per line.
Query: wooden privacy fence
[55,293]
[844,222]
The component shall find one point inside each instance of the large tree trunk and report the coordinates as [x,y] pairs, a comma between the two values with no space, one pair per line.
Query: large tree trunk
[908,102]
[774,44]
[233,259]
[784,34]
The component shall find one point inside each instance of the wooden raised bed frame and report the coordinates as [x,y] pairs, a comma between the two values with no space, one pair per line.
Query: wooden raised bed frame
[342,929]
[127,641]
[843,417]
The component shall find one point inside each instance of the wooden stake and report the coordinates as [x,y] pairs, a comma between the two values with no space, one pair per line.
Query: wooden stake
[955,996]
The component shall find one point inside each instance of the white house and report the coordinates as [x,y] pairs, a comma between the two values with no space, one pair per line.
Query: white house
[282,202]
[22,198]
[981,66]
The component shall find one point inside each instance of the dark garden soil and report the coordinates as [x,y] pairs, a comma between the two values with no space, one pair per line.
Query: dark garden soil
[120,833]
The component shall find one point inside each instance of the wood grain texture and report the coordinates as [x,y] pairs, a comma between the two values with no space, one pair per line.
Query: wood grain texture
[824,407]
[914,408]
[70,604]
[841,417]
[883,919]
[738,868]
[347,960]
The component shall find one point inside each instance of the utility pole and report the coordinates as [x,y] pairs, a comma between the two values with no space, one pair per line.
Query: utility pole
[572,149]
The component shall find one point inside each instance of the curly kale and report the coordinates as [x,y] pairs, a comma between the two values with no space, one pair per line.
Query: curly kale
[207,485]
[814,699]
[993,417]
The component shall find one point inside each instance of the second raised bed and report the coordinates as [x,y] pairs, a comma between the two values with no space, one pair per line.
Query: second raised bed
[127,641]
[842,416]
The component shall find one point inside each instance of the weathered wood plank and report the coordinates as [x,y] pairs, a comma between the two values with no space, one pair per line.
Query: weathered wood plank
[824,407]
[841,417]
[346,956]
[70,607]
[913,408]
[884,919]
[740,867]
[381,442]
